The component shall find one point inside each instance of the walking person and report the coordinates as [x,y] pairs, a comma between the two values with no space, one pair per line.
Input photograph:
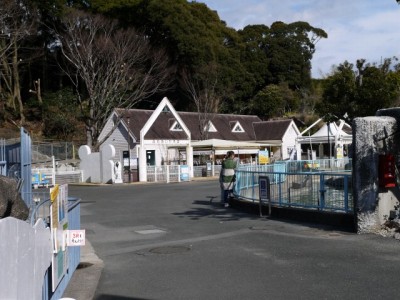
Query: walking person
[227,177]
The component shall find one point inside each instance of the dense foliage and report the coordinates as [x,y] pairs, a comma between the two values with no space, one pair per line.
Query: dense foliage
[356,91]
[64,65]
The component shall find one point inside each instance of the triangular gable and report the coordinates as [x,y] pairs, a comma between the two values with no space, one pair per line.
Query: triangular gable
[176,126]
[113,122]
[164,106]
[237,127]
[333,130]
[295,128]
[210,127]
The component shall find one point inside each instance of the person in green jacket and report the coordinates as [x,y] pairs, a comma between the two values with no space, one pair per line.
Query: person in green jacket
[227,177]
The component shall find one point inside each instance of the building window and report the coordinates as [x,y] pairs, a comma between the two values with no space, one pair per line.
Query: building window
[176,127]
[237,128]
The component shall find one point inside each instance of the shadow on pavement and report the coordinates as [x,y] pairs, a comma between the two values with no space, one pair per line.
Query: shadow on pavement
[114,297]
[239,209]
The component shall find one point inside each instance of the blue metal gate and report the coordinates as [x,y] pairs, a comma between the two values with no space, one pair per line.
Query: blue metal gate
[17,163]
[26,166]
[3,162]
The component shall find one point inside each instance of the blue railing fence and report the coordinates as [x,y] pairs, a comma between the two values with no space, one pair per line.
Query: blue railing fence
[300,166]
[316,190]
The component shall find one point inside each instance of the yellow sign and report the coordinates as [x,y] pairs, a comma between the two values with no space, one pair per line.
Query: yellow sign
[54,193]
[263,157]
[59,227]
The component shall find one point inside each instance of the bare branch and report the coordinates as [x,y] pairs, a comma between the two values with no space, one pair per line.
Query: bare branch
[202,89]
[117,67]
[17,23]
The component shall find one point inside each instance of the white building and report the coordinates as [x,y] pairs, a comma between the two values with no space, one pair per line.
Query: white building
[165,136]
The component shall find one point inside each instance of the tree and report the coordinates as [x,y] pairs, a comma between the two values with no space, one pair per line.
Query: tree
[109,67]
[255,41]
[61,114]
[202,89]
[289,50]
[379,88]
[339,96]
[192,34]
[360,91]
[18,23]
[268,102]
[280,55]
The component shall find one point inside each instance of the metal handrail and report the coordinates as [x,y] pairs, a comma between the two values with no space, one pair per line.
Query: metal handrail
[325,191]
[35,210]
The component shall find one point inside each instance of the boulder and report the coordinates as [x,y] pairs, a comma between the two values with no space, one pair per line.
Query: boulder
[11,202]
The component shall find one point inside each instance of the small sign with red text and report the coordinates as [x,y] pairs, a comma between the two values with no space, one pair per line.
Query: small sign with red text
[76,238]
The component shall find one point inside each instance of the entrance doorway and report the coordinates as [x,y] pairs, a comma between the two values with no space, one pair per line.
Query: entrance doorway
[151,157]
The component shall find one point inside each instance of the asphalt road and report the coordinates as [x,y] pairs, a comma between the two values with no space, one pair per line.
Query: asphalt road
[167,241]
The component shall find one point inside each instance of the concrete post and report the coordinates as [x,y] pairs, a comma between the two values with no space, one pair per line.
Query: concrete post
[142,164]
[189,160]
[372,136]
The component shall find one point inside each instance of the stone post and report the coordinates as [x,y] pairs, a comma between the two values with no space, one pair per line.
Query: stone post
[372,136]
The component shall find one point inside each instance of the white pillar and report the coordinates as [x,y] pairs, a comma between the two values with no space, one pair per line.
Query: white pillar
[298,151]
[189,160]
[142,164]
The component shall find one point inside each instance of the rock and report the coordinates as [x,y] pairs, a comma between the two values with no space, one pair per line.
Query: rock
[11,202]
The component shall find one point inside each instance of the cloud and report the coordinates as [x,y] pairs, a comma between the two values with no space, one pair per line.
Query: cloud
[356,29]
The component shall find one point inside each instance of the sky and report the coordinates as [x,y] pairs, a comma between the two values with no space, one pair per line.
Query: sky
[368,29]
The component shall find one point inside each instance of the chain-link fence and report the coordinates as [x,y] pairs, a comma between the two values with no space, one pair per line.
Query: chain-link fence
[42,152]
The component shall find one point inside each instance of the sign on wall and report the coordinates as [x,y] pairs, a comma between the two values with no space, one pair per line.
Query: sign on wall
[184,172]
[76,238]
[59,227]
[263,157]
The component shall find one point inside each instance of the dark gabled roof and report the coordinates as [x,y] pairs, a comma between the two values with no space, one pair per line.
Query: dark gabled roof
[161,128]
[271,130]
[224,124]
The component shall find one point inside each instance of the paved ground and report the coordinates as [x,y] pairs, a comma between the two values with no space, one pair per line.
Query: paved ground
[167,241]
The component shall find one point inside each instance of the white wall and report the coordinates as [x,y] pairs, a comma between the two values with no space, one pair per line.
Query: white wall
[97,167]
[89,164]
[289,140]
[119,139]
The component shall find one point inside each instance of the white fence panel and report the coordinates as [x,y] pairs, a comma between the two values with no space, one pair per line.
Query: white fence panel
[168,173]
[25,256]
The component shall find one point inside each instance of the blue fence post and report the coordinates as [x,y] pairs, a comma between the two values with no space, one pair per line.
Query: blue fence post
[253,184]
[280,188]
[346,192]
[322,191]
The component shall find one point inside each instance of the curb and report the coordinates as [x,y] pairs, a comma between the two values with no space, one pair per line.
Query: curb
[85,279]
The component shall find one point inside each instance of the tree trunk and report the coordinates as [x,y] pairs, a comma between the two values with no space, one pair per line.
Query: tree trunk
[17,88]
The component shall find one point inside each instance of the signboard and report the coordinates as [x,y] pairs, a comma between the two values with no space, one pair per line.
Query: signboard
[125,157]
[58,227]
[264,192]
[76,238]
[263,157]
[170,142]
[184,172]
[339,152]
